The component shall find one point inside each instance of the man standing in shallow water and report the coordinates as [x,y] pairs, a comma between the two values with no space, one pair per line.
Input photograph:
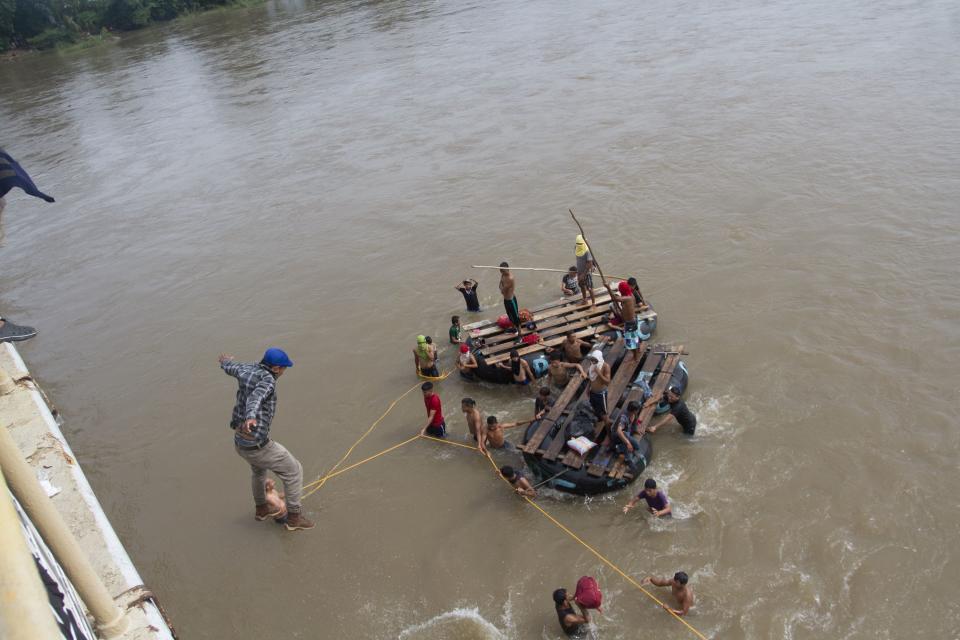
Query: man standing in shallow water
[681,592]
[252,415]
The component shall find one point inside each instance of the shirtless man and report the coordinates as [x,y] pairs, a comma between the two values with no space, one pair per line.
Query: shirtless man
[559,370]
[573,347]
[627,307]
[507,286]
[492,433]
[678,412]
[520,368]
[425,357]
[599,375]
[472,415]
[681,592]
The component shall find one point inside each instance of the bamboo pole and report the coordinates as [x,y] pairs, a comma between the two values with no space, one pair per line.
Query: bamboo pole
[24,606]
[484,266]
[110,619]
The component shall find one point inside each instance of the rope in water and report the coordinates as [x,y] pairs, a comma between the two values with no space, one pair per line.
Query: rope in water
[318,483]
[323,479]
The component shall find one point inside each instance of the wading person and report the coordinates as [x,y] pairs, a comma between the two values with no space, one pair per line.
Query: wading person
[559,370]
[469,290]
[678,585]
[466,362]
[656,499]
[678,412]
[472,415]
[491,435]
[518,481]
[435,426]
[519,368]
[507,288]
[456,330]
[572,623]
[584,269]
[425,357]
[252,416]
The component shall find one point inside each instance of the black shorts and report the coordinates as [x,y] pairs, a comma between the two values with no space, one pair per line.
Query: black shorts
[438,431]
[430,372]
[598,402]
[513,311]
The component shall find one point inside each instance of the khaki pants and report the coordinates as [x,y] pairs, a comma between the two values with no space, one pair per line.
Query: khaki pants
[275,457]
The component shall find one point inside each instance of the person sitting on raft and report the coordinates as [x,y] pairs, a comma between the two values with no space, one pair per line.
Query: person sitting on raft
[574,347]
[425,357]
[657,502]
[469,290]
[568,284]
[518,481]
[466,362]
[678,412]
[472,415]
[492,436]
[520,368]
[626,431]
[572,624]
[599,375]
[560,371]
[455,330]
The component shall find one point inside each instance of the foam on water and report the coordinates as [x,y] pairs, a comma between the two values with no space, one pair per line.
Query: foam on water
[458,624]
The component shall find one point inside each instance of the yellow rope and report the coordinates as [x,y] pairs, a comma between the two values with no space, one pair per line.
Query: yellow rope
[357,464]
[456,444]
[323,479]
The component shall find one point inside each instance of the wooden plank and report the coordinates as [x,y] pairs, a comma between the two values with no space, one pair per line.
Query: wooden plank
[555,413]
[625,374]
[658,387]
[543,310]
[551,328]
[550,334]
[616,352]
[552,342]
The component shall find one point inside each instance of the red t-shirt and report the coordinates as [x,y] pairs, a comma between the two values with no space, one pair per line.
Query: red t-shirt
[433,404]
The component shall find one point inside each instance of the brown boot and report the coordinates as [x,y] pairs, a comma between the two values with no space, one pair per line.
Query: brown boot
[296,520]
[265,511]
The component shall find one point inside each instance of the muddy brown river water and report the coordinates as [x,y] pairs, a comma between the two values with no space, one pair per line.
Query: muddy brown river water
[782,177]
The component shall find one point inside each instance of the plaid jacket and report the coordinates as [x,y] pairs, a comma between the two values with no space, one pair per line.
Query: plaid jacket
[256,398]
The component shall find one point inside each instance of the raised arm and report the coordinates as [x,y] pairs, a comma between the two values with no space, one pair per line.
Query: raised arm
[658,582]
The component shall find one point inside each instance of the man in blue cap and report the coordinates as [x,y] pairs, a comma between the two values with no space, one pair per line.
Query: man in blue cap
[252,415]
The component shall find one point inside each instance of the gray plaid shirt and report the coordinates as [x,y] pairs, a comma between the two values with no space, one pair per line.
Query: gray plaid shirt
[256,398]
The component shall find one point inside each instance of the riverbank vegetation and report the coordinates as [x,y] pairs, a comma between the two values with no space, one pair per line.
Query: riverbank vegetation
[44,24]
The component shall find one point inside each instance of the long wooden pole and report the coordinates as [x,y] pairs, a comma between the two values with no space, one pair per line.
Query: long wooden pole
[485,266]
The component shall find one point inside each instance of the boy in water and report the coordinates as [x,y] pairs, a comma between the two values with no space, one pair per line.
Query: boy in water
[425,357]
[656,500]
[678,586]
[542,403]
[520,368]
[469,290]
[455,330]
[276,501]
[466,362]
[573,625]
[472,414]
[436,426]
[574,348]
[492,434]
[559,370]
[518,481]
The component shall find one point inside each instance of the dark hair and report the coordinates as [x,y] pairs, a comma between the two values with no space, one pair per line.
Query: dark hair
[632,282]
[504,264]
[544,391]
[559,596]
[429,340]
[681,577]
[632,406]
[507,471]
[556,355]
[674,390]
[454,319]
[467,282]
[426,386]
[569,333]
[470,402]
[650,483]
[514,352]
[491,419]
[572,269]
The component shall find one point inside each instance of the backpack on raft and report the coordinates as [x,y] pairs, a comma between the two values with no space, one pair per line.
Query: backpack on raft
[504,322]
[588,594]
[525,316]
[530,338]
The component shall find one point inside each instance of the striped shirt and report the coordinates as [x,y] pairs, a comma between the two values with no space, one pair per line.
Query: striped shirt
[256,399]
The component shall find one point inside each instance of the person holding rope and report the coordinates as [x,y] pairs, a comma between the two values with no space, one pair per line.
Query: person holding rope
[252,416]
[678,586]
[436,426]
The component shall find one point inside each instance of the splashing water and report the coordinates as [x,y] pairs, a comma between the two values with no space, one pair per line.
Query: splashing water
[458,624]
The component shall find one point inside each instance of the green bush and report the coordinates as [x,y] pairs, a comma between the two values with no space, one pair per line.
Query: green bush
[50,38]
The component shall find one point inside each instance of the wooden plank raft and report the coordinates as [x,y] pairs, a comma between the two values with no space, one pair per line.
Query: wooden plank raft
[621,390]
